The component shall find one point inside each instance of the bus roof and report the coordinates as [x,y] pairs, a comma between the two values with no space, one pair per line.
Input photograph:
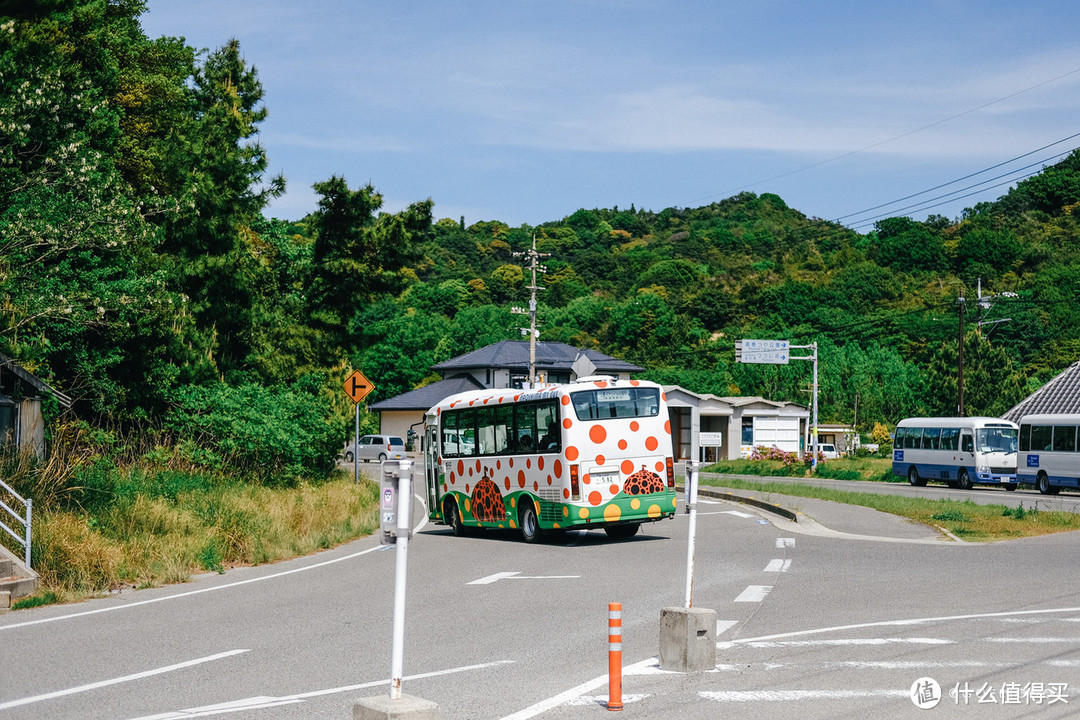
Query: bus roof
[498,396]
[961,422]
[1051,418]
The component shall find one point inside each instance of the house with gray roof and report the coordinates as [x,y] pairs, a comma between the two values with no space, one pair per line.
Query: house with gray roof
[1060,395]
[504,364]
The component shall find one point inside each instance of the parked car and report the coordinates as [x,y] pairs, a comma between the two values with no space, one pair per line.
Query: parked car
[828,451]
[376,447]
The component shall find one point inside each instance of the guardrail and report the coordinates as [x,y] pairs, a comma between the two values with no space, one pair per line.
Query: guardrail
[25,520]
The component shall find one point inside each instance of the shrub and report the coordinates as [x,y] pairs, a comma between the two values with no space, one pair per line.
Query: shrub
[280,434]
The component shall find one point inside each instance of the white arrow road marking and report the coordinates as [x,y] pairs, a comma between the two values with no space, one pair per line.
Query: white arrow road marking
[516,575]
[116,681]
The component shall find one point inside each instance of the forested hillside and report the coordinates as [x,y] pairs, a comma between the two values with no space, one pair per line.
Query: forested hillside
[140,274]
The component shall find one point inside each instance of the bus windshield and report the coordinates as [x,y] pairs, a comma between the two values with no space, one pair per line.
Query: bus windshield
[993,439]
[616,403]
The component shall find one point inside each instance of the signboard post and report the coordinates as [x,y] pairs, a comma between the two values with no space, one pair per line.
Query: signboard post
[357,387]
[778,352]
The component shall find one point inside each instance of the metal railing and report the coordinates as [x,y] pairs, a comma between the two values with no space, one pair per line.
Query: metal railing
[25,520]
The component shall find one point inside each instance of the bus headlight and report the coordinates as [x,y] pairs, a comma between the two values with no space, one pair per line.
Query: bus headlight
[983,470]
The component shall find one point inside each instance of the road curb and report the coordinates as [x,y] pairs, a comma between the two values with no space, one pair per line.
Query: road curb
[745,500]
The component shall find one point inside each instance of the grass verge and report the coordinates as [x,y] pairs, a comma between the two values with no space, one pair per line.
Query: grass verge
[846,468]
[963,518]
[145,538]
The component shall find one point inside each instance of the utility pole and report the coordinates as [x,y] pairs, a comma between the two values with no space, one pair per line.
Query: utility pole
[960,363]
[534,268]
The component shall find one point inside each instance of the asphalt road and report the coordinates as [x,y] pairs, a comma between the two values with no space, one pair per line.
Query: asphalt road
[835,616]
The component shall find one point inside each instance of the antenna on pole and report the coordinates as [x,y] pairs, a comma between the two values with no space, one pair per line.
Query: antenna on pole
[533,333]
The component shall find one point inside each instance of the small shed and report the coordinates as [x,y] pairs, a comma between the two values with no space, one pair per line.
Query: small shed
[22,422]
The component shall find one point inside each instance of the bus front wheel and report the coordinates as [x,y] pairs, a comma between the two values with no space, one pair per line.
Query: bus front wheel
[453,518]
[913,477]
[963,480]
[1044,486]
[530,526]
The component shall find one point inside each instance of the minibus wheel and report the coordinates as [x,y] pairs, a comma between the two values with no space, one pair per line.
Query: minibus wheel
[1043,483]
[913,477]
[530,526]
[963,480]
[453,518]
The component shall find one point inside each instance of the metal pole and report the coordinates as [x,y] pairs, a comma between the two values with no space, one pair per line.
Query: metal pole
[29,526]
[814,462]
[404,505]
[691,507]
[356,448]
[960,358]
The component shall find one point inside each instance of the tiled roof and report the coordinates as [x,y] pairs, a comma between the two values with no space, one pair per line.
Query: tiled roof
[1060,395]
[424,398]
[514,354]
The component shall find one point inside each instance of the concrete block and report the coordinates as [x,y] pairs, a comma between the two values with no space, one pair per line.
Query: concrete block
[5,600]
[687,639]
[382,707]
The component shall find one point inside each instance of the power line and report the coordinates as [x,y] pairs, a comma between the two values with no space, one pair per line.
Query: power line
[955,194]
[891,139]
[965,177]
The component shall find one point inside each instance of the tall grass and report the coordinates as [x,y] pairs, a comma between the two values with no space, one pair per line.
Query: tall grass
[110,515]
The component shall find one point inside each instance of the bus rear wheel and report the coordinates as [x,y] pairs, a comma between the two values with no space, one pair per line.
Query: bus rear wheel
[530,525]
[621,532]
[1044,486]
[913,477]
[963,480]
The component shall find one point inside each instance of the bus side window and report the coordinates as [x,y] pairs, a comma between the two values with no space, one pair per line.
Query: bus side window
[450,434]
[1025,438]
[525,427]
[504,427]
[1041,437]
[967,443]
[547,419]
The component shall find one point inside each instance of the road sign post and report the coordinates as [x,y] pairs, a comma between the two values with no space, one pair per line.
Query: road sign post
[357,387]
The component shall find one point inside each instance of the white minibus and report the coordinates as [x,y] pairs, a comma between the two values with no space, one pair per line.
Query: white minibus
[1049,457]
[960,452]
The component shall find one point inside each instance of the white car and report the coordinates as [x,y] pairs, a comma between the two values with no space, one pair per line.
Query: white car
[828,451]
[376,447]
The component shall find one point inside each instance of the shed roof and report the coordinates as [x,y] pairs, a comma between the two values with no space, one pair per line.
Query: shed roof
[28,378]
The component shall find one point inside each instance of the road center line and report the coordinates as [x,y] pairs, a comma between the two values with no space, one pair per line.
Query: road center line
[778,565]
[117,681]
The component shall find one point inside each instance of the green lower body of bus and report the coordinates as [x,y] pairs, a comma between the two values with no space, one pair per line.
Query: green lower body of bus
[620,510]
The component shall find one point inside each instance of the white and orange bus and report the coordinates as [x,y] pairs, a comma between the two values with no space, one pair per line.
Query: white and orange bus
[592,454]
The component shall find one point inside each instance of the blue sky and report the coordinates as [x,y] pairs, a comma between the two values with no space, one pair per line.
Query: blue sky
[524,111]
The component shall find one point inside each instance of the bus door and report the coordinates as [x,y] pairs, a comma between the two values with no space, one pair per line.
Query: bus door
[431,469]
[967,449]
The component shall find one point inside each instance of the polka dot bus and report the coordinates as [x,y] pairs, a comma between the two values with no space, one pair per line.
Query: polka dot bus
[592,454]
